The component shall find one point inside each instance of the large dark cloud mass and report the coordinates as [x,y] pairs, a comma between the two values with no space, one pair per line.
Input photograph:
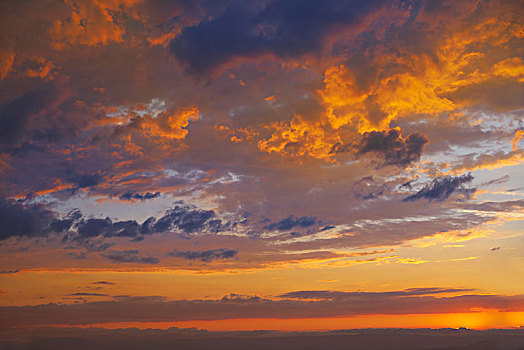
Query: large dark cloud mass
[31,220]
[34,220]
[285,28]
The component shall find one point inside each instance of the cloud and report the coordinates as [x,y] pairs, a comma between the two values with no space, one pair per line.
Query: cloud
[185,218]
[291,222]
[8,272]
[86,180]
[29,220]
[297,304]
[392,147]
[515,140]
[497,181]
[21,118]
[205,255]
[129,256]
[441,188]
[81,294]
[107,228]
[104,283]
[287,28]
[368,188]
[333,295]
[129,195]
[505,206]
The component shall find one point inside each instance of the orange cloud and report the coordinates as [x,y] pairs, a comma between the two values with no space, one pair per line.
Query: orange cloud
[510,68]
[515,140]
[489,161]
[7,58]
[298,138]
[90,23]
[169,125]
[41,69]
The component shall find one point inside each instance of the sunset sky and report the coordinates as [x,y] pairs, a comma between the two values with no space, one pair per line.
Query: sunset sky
[264,164]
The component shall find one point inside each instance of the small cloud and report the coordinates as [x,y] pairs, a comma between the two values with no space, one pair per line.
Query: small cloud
[495,248]
[104,282]
[129,256]
[129,196]
[87,295]
[497,181]
[205,255]
[8,272]
[292,222]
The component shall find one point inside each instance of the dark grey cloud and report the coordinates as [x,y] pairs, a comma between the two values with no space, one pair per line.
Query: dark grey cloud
[368,188]
[107,228]
[130,195]
[129,256]
[26,220]
[81,294]
[285,28]
[17,115]
[291,222]
[186,218]
[243,299]
[8,272]
[104,282]
[205,255]
[495,248]
[441,188]
[335,295]
[393,149]
[497,181]
[86,180]
[20,218]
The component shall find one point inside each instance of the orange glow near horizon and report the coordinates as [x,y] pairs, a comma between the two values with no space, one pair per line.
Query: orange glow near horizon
[472,320]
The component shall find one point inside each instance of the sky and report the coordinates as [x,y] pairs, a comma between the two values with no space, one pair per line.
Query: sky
[268,164]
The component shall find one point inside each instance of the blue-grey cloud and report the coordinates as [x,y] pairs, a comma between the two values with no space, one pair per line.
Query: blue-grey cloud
[129,256]
[291,222]
[29,220]
[205,255]
[441,188]
[284,28]
[130,195]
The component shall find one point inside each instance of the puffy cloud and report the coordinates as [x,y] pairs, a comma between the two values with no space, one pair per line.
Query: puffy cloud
[129,195]
[107,228]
